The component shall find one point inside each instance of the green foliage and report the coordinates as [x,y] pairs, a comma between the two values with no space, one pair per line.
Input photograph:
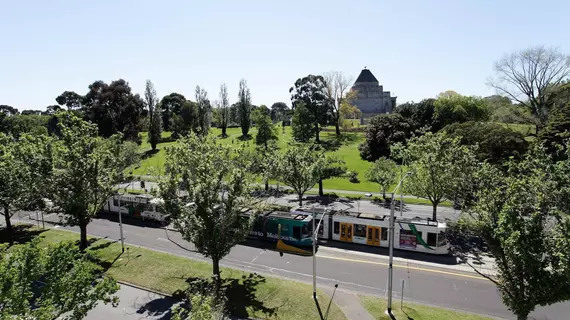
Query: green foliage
[223,110]
[16,125]
[419,114]
[301,167]
[25,169]
[171,104]
[70,99]
[86,170]
[496,143]
[154,114]
[57,282]
[353,177]
[244,107]
[302,124]
[183,122]
[522,214]
[204,307]
[279,111]
[311,92]
[451,107]
[203,112]
[114,109]
[265,128]
[217,181]
[382,133]
[382,172]
[440,167]
[557,132]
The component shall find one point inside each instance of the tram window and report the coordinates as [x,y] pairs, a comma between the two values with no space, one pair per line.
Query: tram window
[336,227]
[305,231]
[441,239]
[360,230]
[297,232]
[321,230]
[432,239]
[384,234]
[115,202]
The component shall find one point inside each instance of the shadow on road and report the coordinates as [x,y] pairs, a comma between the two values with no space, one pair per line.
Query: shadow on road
[159,308]
[21,233]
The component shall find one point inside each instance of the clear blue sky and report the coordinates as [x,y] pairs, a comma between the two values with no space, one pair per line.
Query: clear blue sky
[416,49]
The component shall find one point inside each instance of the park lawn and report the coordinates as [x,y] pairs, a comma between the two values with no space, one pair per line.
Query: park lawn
[167,273]
[377,306]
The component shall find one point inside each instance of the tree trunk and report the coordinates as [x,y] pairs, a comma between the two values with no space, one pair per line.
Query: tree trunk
[8,224]
[224,131]
[266,184]
[434,205]
[300,199]
[522,317]
[83,236]
[384,194]
[337,127]
[216,274]
[318,140]
[321,193]
[153,146]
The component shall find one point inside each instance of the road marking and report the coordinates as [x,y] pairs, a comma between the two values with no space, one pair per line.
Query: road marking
[407,267]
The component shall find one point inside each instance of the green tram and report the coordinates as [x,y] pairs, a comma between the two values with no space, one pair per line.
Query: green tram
[290,231]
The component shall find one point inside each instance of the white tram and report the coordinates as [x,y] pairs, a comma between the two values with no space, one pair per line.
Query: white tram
[140,205]
[420,235]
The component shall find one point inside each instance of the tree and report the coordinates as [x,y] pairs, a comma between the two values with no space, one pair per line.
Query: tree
[382,172]
[25,169]
[70,99]
[526,77]
[311,92]
[183,123]
[52,109]
[522,215]
[382,133]
[86,169]
[265,129]
[302,124]
[347,109]
[496,144]
[337,86]
[419,114]
[440,167]
[224,109]
[203,112]
[202,307]
[279,112]
[556,134]
[217,180]
[114,109]
[8,110]
[301,167]
[332,167]
[18,124]
[154,113]
[57,282]
[171,104]
[244,107]
[451,107]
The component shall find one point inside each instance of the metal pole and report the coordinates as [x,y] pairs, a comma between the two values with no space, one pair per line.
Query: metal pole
[121,224]
[402,296]
[38,218]
[43,222]
[391,251]
[314,256]
[402,199]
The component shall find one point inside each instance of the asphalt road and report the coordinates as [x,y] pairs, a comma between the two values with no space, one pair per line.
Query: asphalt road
[436,283]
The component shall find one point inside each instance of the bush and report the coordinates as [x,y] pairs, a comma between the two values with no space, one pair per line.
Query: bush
[353,177]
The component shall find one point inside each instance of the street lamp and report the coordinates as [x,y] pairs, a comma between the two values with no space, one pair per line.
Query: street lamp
[121,217]
[391,244]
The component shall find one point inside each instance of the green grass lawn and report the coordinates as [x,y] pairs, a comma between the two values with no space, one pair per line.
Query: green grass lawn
[250,295]
[377,307]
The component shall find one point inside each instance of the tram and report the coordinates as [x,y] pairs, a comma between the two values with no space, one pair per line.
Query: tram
[420,235]
[137,205]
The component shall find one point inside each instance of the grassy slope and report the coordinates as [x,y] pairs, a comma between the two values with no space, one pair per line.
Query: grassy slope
[377,307]
[167,273]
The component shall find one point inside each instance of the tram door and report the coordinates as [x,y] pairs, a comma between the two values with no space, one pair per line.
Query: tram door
[373,236]
[346,232]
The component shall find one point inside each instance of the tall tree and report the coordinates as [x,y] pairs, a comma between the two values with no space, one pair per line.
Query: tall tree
[302,124]
[218,182]
[183,123]
[451,107]
[300,168]
[71,284]
[526,77]
[203,112]
[440,167]
[311,91]
[114,109]
[8,110]
[224,109]
[556,133]
[171,104]
[86,169]
[419,114]
[265,134]
[333,166]
[70,99]
[337,86]
[382,172]
[154,114]
[244,107]
[522,215]
[25,169]
[279,112]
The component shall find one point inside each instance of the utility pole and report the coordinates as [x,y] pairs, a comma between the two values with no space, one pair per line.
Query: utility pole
[391,246]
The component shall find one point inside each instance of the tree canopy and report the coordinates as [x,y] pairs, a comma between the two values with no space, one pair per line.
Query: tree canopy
[451,107]
[382,133]
[171,104]
[311,92]
[244,107]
